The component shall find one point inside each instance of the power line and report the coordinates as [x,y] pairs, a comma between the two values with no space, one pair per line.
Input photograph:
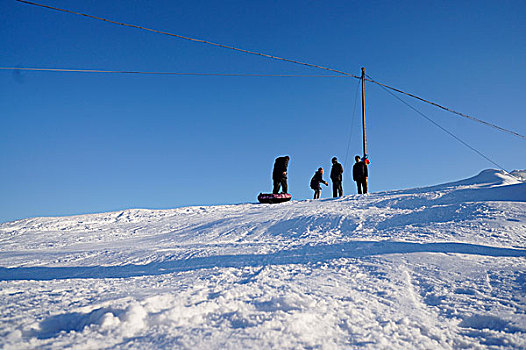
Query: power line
[446,109]
[171,73]
[352,124]
[191,39]
[443,129]
[278,58]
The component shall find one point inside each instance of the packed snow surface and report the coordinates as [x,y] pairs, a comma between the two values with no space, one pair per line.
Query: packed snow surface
[442,267]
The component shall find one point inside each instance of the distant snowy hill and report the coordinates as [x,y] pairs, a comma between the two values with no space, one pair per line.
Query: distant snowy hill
[442,267]
[521,174]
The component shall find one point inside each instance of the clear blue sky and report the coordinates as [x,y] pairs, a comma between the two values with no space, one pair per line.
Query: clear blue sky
[74,143]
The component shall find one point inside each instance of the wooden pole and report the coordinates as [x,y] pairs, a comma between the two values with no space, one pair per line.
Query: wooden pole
[363,124]
[363,114]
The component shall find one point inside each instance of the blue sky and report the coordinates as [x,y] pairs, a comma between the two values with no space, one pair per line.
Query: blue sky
[74,143]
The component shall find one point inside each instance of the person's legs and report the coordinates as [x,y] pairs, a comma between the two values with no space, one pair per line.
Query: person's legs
[284,186]
[337,190]
[362,186]
[277,183]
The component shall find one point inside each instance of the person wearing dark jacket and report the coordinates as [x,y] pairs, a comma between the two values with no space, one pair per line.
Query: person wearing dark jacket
[315,183]
[360,174]
[279,174]
[336,178]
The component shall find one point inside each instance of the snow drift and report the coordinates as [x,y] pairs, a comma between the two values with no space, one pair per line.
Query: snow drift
[436,267]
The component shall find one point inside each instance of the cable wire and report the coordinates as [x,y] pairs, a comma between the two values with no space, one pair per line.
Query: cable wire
[445,130]
[446,109]
[190,39]
[172,73]
[277,58]
[352,124]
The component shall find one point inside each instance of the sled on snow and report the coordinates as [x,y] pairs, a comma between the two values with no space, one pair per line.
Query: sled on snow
[274,198]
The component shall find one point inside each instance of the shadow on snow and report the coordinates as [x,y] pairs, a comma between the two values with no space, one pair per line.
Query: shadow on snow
[303,255]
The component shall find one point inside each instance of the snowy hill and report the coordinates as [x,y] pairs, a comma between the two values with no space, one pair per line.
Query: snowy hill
[442,267]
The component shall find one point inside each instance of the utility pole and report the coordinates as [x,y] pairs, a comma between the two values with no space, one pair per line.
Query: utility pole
[363,114]
[363,123]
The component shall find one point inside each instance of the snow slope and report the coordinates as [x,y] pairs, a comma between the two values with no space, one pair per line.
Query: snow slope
[442,267]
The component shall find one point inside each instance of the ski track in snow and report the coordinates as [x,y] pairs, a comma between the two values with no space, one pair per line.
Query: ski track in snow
[442,267]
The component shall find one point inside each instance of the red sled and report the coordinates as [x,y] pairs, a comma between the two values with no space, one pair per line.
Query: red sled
[274,198]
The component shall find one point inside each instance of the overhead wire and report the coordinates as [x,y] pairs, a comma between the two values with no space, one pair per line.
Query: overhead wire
[190,39]
[446,108]
[444,129]
[172,73]
[280,59]
[352,124]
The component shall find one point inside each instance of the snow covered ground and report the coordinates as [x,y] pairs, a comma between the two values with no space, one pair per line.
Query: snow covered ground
[442,267]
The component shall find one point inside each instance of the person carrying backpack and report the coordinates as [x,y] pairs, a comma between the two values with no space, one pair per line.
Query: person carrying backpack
[315,183]
[360,174]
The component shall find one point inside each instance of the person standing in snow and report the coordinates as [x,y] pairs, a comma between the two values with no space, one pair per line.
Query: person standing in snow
[315,183]
[279,174]
[336,178]
[360,174]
